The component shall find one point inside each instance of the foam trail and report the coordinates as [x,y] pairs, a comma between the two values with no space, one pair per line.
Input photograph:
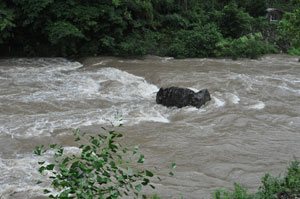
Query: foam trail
[260,105]
[218,102]
[234,98]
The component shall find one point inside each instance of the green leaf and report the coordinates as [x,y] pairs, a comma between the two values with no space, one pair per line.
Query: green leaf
[46,191]
[41,169]
[119,135]
[149,173]
[64,194]
[87,148]
[152,186]
[38,150]
[138,187]
[173,165]
[39,182]
[52,146]
[50,167]
[141,159]
[145,181]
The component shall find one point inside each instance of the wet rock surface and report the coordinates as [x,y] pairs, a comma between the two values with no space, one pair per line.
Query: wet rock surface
[180,97]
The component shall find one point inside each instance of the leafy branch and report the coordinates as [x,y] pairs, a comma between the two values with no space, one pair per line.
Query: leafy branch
[104,169]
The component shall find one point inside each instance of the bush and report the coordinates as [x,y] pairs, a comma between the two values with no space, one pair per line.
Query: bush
[138,44]
[251,46]
[238,193]
[294,51]
[234,22]
[287,187]
[104,169]
[177,49]
[199,42]
[132,47]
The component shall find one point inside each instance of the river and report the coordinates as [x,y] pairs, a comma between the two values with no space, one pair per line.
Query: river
[250,127]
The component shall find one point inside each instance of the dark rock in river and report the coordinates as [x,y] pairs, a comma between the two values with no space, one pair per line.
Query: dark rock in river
[181,97]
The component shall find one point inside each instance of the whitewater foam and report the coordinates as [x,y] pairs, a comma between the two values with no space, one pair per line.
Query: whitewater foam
[233,98]
[259,105]
[22,172]
[218,102]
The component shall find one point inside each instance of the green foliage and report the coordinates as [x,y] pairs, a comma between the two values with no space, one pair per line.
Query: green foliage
[255,8]
[103,169]
[60,31]
[175,21]
[287,187]
[251,46]
[238,193]
[199,42]
[234,22]
[294,51]
[32,9]
[6,22]
[138,44]
[179,28]
[290,25]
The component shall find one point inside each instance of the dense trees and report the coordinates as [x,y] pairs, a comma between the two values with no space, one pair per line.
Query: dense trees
[290,25]
[180,28]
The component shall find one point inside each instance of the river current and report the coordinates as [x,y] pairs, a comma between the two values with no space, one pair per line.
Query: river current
[250,127]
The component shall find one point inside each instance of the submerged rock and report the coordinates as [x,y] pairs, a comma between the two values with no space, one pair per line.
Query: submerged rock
[180,97]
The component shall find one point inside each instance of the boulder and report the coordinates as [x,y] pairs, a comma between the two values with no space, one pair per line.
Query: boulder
[180,97]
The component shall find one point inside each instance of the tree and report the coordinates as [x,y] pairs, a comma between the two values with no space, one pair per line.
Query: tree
[234,22]
[290,24]
[6,22]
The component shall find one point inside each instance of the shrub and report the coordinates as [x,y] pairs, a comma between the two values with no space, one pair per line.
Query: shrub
[199,42]
[132,47]
[234,22]
[287,187]
[102,170]
[238,193]
[294,51]
[177,49]
[138,44]
[251,46]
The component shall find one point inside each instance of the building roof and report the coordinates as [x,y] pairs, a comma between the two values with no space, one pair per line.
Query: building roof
[274,10]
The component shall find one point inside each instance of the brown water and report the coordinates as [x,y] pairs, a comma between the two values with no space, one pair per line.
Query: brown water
[250,127]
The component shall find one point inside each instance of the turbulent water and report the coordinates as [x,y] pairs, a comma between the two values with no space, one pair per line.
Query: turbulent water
[250,127]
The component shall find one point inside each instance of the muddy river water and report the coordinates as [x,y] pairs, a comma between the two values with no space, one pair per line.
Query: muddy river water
[250,127]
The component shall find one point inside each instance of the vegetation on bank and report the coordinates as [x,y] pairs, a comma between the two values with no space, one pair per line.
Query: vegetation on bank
[287,187]
[179,28]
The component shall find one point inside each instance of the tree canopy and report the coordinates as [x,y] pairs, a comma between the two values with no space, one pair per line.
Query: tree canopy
[290,25]
[131,27]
